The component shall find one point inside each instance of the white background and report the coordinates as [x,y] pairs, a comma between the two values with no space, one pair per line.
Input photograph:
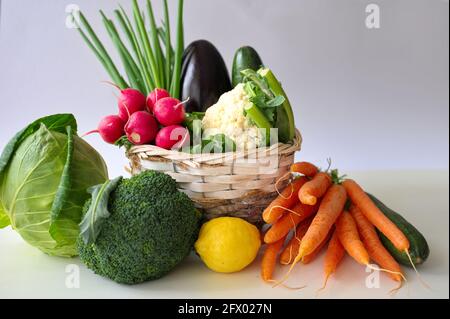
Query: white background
[369,99]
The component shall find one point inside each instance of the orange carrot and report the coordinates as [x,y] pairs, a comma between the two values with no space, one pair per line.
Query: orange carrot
[375,216]
[289,221]
[291,249]
[305,168]
[335,253]
[348,235]
[309,258]
[286,199]
[315,188]
[330,208]
[373,244]
[269,259]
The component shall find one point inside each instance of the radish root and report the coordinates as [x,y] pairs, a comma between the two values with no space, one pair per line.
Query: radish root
[89,133]
[181,103]
[112,84]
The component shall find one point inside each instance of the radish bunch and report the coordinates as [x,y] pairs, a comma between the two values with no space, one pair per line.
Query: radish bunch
[157,119]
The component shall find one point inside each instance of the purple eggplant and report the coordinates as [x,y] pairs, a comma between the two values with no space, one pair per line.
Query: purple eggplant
[204,76]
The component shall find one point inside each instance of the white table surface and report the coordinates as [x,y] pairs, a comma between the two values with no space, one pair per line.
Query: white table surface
[421,196]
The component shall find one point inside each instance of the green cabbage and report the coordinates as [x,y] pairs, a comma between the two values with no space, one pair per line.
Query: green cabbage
[45,171]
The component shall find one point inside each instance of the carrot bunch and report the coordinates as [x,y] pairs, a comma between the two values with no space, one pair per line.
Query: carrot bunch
[318,210]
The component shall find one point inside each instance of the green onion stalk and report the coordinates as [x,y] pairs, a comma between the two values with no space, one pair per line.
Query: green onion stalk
[145,49]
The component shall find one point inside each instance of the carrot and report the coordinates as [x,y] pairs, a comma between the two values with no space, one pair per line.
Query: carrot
[289,221]
[330,208]
[305,168]
[348,235]
[315,188]
[285,200]
[309,258]
[291,250]
[269,259]
[335,253]
[373,244]
[375,216]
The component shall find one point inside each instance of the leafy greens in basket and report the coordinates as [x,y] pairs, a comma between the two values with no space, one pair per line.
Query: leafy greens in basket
[270,106]
[45,171]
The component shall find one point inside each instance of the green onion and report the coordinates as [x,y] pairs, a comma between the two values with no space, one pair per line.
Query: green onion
[144,61]
[145,42]
[175,85]
[162,35]
[101,52]
[167,44]
[156,45]
[130,66]
[127,28]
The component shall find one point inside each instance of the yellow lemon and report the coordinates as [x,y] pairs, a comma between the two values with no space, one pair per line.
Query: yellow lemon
[228,244]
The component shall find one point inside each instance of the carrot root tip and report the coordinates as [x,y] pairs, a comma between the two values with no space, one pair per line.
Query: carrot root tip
[286,286]
[396,289]
[423,282]
[286,276]
[387,271]
[284,208]
[324,285]
[278,190]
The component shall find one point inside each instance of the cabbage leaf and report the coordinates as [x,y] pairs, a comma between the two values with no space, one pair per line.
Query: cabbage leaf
[44,173]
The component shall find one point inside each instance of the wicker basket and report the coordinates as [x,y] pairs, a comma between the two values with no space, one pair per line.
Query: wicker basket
[239,184]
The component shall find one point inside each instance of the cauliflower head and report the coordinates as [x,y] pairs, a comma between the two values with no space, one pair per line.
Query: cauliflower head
[227,117]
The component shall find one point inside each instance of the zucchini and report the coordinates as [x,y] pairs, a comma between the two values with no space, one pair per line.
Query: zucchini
[418,250]
[245,58]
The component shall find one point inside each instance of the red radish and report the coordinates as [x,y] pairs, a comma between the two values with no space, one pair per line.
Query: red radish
[141,128]
[130,101]
[169,111]
[172,137]
[155,96]
[110,128]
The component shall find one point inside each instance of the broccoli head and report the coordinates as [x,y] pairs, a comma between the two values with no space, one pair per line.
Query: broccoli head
[150,229]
